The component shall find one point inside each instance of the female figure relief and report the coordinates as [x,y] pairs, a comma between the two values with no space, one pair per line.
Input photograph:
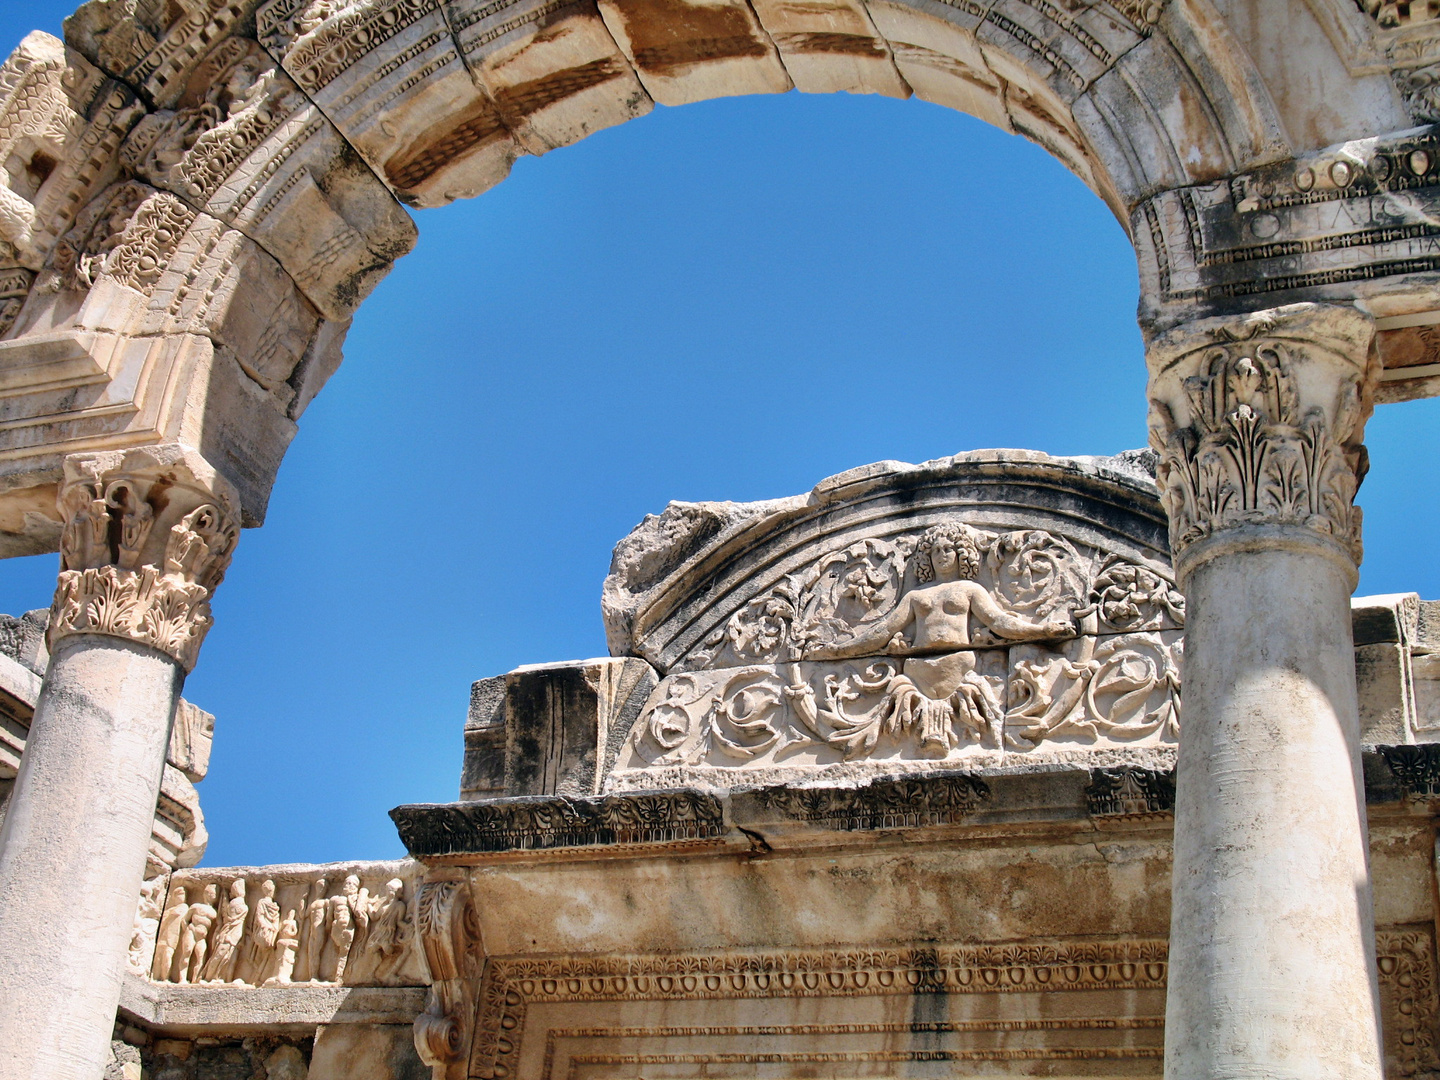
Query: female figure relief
[938,684]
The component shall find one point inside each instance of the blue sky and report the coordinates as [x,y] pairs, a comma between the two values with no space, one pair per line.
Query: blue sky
[730,300]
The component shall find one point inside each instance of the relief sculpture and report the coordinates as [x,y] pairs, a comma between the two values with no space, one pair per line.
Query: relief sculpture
[931,645]
[355,928]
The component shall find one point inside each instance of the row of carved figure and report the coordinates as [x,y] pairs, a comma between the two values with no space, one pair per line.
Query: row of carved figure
[250,932]
[920,645]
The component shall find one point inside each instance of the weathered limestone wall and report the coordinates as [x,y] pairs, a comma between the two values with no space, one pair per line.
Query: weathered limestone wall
[997,919]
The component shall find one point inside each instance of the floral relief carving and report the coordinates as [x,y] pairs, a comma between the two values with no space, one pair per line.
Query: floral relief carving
[448,929]
[667,818]
[926,646]
[1410,1004]
[1239,447]
[129,234]
[140,554]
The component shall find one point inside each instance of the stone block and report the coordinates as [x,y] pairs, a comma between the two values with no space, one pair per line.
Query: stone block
[941,62]
[366,1052]
[831,45]
[552,69]
[190,741]
[566,722]
[1425,671]
[687,51]
[1066,46]
[1382,688]
[1387,617]
[22,639]
[483,774]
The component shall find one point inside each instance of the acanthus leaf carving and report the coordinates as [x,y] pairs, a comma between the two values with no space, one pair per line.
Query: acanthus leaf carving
[1241,446]
[449,932]
[142,550]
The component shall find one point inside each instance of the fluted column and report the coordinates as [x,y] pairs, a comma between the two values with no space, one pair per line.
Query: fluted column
[147,536]
[1258,422]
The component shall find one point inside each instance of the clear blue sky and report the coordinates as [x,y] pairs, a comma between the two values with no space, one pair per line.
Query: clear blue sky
[729,300]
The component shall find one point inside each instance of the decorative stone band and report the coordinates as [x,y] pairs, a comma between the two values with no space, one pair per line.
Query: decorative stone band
[148,534]
[1258,421]
[537,823]
[518,991]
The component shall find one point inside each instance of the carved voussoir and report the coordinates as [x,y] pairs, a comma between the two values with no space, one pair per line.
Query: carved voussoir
[60,124]
[1258,422]
[389,75]
[245,145]
[148,534]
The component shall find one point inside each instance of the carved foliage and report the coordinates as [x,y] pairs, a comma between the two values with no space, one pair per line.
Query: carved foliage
[1409,1003]
[320,39]
[129,233]
[530,824]
[121,577]
[885,804]
[872,652]
[849,590]
[1251,454]
[1129,792]
[449,931]
[15,285]
[241,99]
[1416,769]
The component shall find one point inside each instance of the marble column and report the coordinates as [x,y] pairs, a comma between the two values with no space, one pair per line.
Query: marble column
[1258,422]
[147,536]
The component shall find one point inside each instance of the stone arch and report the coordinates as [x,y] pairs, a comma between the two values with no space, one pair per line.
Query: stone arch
[224,178]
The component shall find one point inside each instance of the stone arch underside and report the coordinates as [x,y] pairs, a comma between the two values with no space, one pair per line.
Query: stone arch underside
[196,195]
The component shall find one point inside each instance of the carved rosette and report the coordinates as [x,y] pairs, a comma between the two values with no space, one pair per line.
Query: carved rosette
[148,534]
[1258,422]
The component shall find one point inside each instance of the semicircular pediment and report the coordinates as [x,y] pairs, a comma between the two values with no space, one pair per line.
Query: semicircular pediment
[902,616]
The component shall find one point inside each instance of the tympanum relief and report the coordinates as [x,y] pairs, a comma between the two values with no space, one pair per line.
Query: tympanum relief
[933,645]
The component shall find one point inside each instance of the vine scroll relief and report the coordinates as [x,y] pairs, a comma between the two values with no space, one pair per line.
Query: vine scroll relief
[932,645]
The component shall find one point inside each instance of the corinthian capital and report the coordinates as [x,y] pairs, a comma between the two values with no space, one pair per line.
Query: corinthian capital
[1258,421]
[148,534]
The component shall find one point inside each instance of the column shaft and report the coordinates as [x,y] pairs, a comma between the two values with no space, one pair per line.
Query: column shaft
[147,536]
[72,852]
[1272,954]
[1258,421]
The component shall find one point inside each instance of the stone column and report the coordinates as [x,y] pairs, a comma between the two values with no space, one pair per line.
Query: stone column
[1258,422]
[147,536]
